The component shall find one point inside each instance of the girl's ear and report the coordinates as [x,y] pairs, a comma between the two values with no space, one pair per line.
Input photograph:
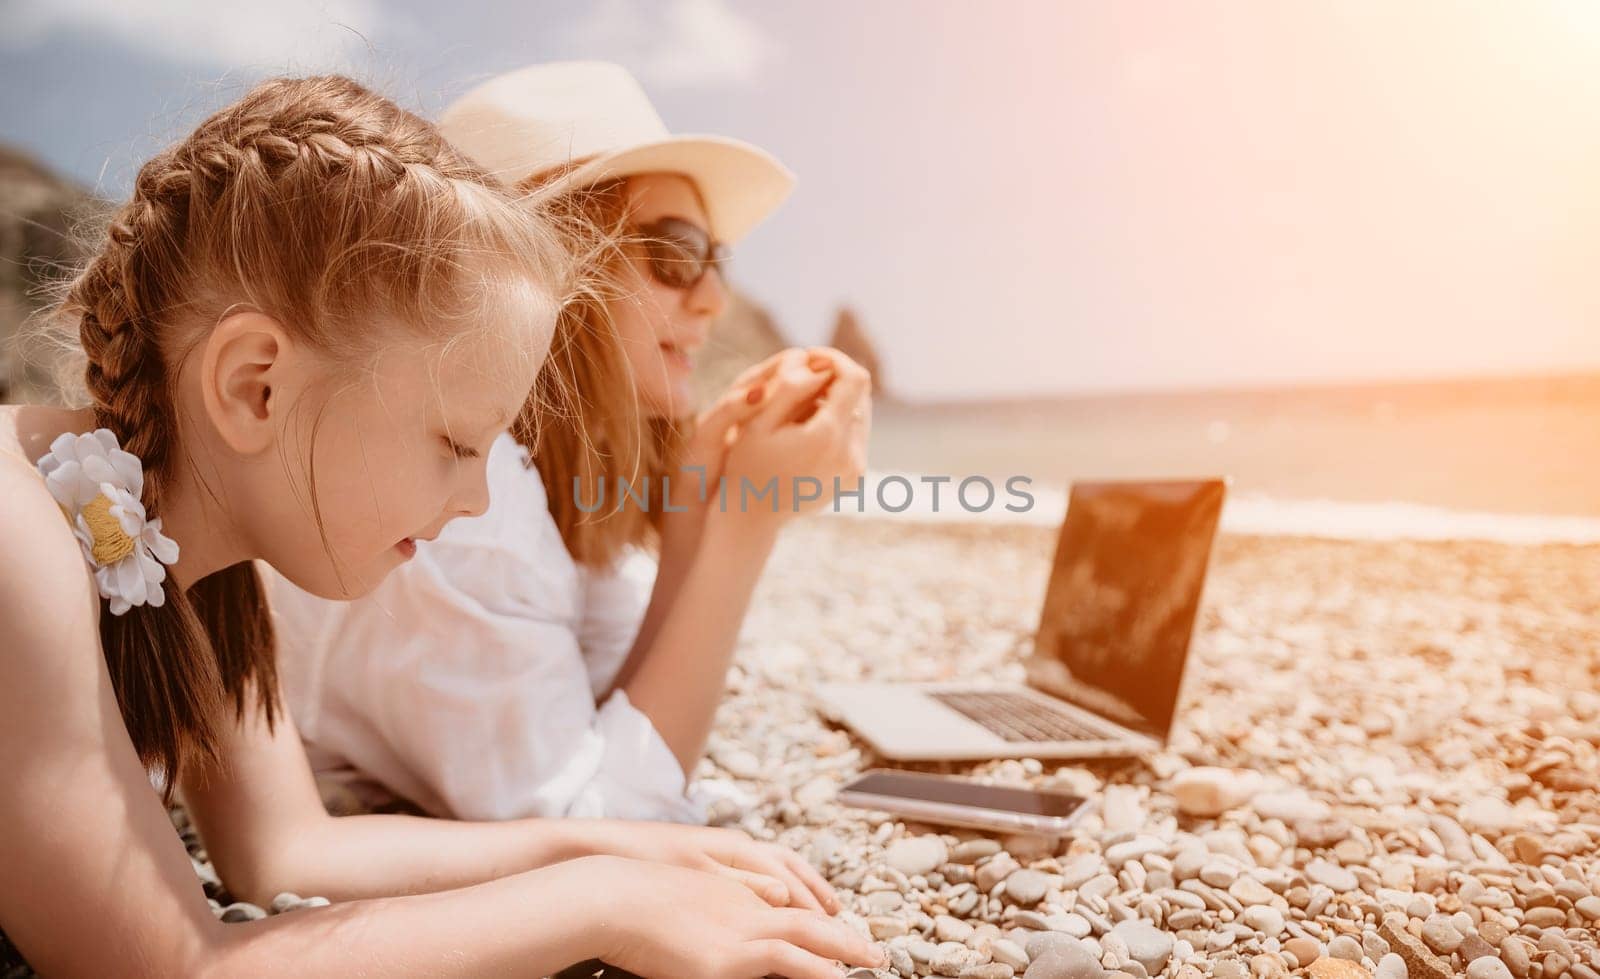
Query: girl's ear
[246,368]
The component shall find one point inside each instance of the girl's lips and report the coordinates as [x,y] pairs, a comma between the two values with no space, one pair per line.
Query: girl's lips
[407,548]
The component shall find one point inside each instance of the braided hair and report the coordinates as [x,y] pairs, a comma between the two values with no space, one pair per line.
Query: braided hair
[326,206]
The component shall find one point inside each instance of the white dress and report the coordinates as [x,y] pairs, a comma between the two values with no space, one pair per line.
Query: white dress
[467,682]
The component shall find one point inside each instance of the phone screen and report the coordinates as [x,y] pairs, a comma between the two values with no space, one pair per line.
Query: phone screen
[959,793]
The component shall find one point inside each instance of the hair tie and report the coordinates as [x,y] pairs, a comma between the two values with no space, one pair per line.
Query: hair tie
[98,486]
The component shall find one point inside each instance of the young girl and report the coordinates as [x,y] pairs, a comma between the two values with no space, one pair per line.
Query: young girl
[302,335]
[524,664]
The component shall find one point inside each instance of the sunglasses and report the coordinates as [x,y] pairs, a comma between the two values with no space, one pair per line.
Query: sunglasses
[679,252]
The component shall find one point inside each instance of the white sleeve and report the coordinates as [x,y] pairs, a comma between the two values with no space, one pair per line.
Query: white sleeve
[491,710]
[615,600]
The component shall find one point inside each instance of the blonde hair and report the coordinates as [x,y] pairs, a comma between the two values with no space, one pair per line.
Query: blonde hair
[584,426]
[328,207]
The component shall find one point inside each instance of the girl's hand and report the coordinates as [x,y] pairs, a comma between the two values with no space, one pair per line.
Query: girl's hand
[774,873]
[683,924]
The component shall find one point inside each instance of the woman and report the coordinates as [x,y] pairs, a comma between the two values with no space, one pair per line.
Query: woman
[301,336]
[525,663]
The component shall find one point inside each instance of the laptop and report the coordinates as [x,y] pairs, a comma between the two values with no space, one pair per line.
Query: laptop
[1107,663]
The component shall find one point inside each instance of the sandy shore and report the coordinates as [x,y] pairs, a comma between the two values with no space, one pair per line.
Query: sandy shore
[1425,719]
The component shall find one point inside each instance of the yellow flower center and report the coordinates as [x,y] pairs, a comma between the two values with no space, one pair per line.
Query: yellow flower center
[111,543]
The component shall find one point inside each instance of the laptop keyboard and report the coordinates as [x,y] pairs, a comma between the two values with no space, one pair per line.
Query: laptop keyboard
[1017,717]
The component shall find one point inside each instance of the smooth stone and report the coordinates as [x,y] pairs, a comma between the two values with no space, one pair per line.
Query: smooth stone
[883,928]
[1304,950]
[1268,966]
[917,855]
[1391,966]
[1589,907]
[1065,962]
[1207,792]
[1008,952]
[1345,947]
[882,902]
[1374,946]
[1265,919]
[1488,967]
[971,851]
[1230,969]
[1441,935]
[1147,944]
[1248,890]
[1473,948]
[1329,968]
[1080,870]
[1331,875]
[1289,807]
[1027,887]
[1120,809]
[948,929]
[1135,849]
[989,970]
[1219,873]
[1421,963]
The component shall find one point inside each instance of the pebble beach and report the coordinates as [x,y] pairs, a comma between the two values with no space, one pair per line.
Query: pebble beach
[1386,762]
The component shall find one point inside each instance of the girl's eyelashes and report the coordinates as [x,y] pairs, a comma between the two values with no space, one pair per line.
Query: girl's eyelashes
[458,450]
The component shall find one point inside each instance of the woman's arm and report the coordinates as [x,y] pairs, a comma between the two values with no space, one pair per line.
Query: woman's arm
[678,679]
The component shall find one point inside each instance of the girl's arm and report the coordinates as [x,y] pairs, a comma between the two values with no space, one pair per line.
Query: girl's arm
[84,839]
[266,832]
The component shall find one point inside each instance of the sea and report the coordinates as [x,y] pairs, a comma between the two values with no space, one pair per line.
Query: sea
[1506,459]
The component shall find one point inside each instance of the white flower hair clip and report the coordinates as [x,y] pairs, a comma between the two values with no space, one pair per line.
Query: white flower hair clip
[98,486]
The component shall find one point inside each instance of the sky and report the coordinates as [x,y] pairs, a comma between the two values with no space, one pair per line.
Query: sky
[1017,198]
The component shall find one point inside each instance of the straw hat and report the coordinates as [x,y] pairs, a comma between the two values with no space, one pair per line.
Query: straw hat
[594,116]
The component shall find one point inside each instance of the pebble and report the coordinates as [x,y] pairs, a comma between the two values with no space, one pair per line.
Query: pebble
[1331,875]
[1304,950]
[1337,969]
[1148,945]
[1441,935]
[1420,962]
[1026,887]
[1135,849]
[1250,891]
[1488,968]
[1007,952]
[1391,966]
[1589,907]
[917,855]
[1208,792]
[1345,947]
[1267,920]
[1080,870]
[1514,952]
[1066,963]
[988,970]
[971,851]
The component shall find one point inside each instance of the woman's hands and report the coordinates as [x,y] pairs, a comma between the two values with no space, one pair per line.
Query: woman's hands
[774,873]
[678,923]
[810,430]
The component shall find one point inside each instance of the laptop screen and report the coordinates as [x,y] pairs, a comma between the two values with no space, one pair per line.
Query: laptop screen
[1123,594]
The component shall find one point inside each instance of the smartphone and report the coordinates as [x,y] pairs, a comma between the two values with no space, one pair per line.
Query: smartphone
[957,802]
